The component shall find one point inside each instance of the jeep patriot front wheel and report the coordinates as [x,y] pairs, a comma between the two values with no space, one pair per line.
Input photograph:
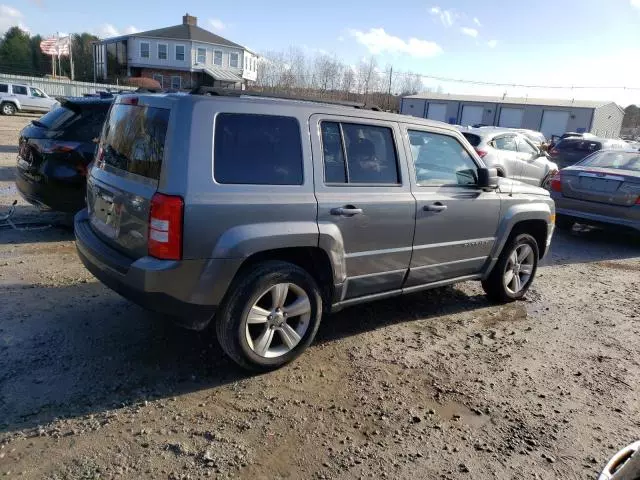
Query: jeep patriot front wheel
[271,314]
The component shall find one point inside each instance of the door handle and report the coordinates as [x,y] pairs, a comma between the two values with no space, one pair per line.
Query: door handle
[436,207]
[346,211]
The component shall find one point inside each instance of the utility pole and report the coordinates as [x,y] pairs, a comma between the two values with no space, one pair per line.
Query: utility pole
[389,91]
[71,55]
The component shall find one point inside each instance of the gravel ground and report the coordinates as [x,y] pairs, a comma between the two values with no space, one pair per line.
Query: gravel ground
[434,385]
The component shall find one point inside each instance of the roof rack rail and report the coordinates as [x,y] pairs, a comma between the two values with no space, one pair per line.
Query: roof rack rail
[226,92]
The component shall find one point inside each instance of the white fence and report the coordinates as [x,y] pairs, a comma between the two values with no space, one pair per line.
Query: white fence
[58,87]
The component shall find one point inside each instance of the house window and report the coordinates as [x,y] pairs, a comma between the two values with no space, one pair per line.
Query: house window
[234,60]
[253,61]
[246,63]
[180,53]
[144,49]
[201,56]
[162,51]
[176,82]
[158,78]
[217,58]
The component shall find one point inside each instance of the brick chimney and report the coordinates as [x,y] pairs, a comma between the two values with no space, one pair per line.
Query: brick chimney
[189,20]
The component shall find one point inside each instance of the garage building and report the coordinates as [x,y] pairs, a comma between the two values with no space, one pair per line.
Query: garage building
[549,116]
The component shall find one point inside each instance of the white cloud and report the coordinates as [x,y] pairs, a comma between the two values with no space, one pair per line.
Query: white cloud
[492,43]
[217,24]
[447,17]
[635,3]
[471,32]
[378,41]
[477,22]
[10,17]
[108,30]
[341,38]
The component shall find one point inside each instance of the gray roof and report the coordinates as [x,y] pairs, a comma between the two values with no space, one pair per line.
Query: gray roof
[545,102]
[188,32]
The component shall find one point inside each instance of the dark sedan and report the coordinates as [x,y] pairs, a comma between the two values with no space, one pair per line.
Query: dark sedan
[55,151]
[602,189]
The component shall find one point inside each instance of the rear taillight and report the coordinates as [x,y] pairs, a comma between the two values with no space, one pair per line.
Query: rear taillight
[165,227]
[556,183]
[638,201]
[481,153]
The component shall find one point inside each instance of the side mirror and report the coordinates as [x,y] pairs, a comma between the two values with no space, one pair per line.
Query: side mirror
[488,178]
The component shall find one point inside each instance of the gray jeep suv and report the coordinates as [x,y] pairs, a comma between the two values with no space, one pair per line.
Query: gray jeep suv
[261,214]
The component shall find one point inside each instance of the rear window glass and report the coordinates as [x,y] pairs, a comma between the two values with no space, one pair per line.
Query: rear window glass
[257,150]
[57,118]
[4,88]
[133,139]
[474,140]
[579,145]
[618,160]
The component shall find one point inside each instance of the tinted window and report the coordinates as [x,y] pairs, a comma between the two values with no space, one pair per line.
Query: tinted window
[506,143]
[334,165]
[568,144]
[88,125]
[19,90]
[474,140]
[257,150]
[57,118]
[133,139]
[525,147]
[4,88]
[370,154]
[442,160]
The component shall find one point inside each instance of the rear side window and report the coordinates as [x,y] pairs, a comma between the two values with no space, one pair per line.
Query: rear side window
[4,88]
[474,140]
[507,143]
[257,150]
[19,90]
[133,139]
[355,153]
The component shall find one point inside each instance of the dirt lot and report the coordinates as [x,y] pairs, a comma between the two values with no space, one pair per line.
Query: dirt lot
[434,385]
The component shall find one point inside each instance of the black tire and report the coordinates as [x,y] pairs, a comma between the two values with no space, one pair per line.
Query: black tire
[243,293]
[8,108]
[564,223]
[494,286]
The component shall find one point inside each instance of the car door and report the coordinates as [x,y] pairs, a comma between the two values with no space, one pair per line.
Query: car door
[456,222]
[365,205]
[39,100]
[533,163]
[508,154]
[22,95]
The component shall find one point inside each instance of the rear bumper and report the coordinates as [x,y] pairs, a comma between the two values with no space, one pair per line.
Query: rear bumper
[592,212]
[49,194]
[187,290]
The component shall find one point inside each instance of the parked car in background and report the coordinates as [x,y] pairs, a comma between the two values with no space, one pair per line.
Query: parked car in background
[55,151]
[305,220]
[604,188]
[571,150]
[513,155]
[537,138]
[22,98]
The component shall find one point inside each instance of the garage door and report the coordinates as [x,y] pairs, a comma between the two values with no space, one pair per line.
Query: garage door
[511,117]
[554,122]
[471,115]
[437,111]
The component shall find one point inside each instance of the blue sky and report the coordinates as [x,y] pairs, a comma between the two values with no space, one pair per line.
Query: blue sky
[548,42]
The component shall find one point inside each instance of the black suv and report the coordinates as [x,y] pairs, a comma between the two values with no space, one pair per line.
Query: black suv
[55,151]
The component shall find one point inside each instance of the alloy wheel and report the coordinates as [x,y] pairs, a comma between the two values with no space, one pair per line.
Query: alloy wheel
[519,268]
[278,320]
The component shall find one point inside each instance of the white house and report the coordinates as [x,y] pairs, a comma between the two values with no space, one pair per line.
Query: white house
[181,56]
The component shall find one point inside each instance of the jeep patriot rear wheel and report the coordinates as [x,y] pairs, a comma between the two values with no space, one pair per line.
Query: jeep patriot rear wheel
[270,315]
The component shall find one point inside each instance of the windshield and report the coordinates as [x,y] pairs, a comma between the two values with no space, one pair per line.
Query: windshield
[617,160]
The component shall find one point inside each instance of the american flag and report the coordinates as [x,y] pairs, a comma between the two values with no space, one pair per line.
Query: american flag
[56,46]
